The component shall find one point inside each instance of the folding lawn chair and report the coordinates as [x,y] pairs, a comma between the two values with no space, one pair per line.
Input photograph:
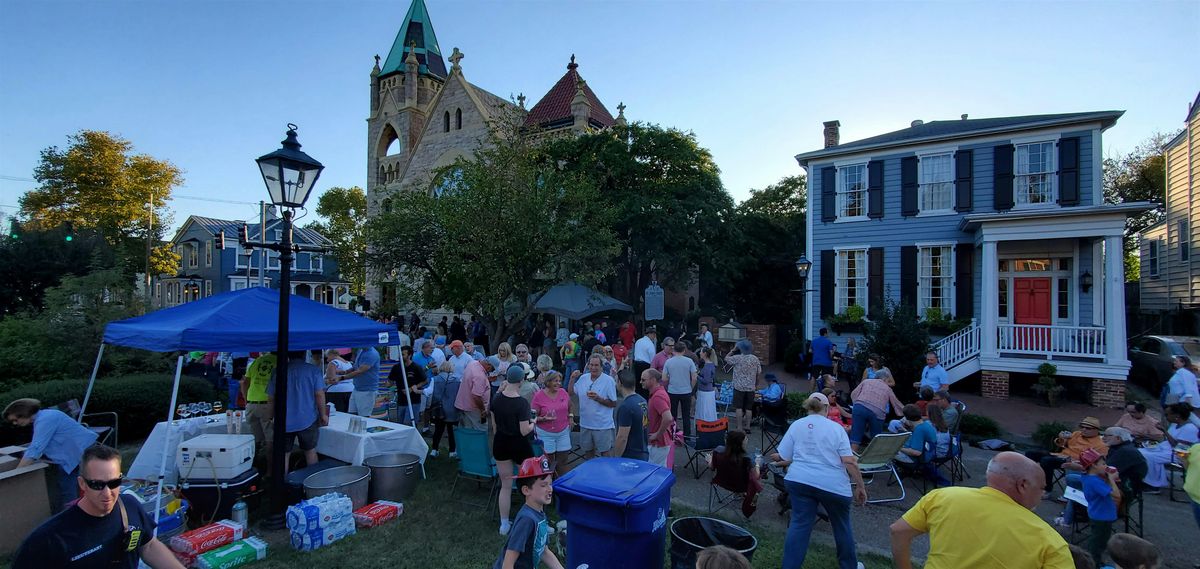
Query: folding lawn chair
[774,425]
[952,462]
[105,434]
[475,464]
[725,396]
[879,458]
[709,436]
[725,492]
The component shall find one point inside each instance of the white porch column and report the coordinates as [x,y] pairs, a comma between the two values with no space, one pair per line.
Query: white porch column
[991,299]
[1114,299]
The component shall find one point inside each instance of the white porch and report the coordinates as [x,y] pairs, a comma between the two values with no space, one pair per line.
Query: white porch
[1052,289]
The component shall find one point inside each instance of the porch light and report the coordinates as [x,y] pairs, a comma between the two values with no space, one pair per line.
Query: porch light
[1085,281]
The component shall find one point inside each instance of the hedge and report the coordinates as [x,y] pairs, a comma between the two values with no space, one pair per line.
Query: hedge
[140,401]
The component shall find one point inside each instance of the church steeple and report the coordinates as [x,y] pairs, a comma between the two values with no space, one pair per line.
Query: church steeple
[416,30]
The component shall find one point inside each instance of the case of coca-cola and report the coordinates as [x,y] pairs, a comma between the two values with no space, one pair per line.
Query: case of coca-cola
[207,538]
[377,513]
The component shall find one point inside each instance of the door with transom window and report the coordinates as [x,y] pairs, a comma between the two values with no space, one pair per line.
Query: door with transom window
[1031,305]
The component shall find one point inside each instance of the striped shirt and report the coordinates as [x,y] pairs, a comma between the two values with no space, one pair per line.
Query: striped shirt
[875,395]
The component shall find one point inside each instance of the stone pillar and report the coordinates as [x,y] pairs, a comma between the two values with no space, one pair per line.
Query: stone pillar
[763,338]
[995,384]
[1114,301]
[1108,393]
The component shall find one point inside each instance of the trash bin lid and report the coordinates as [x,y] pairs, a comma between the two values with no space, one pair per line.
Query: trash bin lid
[619,481]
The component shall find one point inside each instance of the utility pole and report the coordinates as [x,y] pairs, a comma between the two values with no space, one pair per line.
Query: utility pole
[262,239]
[149,235]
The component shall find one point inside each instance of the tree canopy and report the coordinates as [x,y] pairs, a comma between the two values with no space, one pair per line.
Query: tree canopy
[97,183]
[344,210]
[510,224]
[1138,176]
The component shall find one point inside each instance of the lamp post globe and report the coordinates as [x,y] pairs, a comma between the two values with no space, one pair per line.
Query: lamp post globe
[289,173]
[803,266]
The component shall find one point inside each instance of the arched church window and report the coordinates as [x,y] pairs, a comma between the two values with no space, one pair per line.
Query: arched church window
[446,122]
[458,119]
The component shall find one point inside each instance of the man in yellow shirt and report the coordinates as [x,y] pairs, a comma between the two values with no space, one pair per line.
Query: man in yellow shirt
[258,412]
[985,528]
[1191,484]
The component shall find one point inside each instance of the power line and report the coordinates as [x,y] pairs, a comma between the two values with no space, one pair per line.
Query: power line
[198,198]
[16,178]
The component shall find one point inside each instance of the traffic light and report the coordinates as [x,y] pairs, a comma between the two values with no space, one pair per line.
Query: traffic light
[244,235]
[69,231]
[14,230]
[221,240]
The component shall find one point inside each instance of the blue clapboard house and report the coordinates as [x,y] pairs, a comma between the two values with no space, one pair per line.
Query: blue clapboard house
[998,223]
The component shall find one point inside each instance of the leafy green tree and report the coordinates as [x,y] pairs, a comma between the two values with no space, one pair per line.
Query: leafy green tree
[509,225]
[671,209]
[1138,176]
[39,259]
[899,338]
[97,183]
[344,210]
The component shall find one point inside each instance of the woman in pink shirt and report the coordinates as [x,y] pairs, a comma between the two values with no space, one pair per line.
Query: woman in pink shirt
[552,422]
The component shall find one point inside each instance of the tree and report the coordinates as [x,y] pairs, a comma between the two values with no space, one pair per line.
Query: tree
[898,337]
[671,209]
[344,210]
[508,225]
[1138,176]
[97,183]
[39,259]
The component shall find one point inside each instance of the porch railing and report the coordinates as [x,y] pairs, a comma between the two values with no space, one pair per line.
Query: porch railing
[1048,340]
[959,346]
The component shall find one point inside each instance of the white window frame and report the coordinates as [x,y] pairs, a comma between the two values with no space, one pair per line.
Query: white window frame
[925,183]
[273,261]
[1184,235]
[316,262]
[1153,257]
[844,195]
[843,282]
[925,281]
[207,288]
[193,256]
[1023,175]
[208,253]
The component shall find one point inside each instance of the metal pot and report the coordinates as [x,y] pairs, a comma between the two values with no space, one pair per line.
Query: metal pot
[353,481]
[394,476]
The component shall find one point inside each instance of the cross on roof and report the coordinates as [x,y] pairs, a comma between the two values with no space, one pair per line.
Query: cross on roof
[521,100]
[621,108]
[455,58]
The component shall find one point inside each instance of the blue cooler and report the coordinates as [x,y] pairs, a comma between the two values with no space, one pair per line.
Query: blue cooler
[616,512]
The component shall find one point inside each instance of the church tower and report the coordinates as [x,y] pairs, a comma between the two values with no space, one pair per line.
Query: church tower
[401,92]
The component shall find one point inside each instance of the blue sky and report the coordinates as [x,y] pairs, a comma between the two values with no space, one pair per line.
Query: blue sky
[209,85]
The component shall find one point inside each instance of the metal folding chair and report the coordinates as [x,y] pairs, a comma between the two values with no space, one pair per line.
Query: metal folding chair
[105,434]
[774,425]
[709,436]
[879,458]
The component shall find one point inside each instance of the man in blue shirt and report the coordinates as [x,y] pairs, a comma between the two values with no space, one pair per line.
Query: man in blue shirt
[306,411]
[934,375]
[366,381]
[57,438]
[822,359]
[919,449]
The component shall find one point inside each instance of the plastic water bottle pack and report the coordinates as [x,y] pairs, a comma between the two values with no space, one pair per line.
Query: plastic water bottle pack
[320,521]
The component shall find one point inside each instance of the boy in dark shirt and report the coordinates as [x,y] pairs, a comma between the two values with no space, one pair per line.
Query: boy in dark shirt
[526,546]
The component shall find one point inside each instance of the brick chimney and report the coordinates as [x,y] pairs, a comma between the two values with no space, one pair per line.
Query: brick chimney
[831,133]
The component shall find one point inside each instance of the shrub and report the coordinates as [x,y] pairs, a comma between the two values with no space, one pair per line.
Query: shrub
[791,356]
[795,404]
[1045,433]
[140,401]
[981,426]
[899,337]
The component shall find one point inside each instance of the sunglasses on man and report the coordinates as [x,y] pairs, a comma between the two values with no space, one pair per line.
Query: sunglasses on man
[99,485]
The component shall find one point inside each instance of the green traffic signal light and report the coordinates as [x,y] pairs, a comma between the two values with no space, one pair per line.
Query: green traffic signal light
[70,238]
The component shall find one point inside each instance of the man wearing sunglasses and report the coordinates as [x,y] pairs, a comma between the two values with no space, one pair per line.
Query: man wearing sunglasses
[103,529]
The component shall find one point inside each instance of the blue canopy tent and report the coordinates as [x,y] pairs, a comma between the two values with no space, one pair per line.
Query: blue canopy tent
[242,321]
[575,301]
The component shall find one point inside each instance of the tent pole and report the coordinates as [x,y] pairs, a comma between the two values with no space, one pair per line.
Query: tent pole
[408,397]
[162,465]
[92,382]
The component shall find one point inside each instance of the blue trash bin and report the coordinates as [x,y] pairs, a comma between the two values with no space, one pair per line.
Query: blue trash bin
[616,512]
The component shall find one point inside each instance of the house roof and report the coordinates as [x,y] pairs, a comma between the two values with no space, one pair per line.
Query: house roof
[213,226]
[1194,108]
[416,30]
[950,129]
[972,221]
[555,107]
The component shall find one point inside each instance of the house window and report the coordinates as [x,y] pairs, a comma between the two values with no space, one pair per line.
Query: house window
[278,235]
[851,284]
[1185,246]
[1002,305]
[1034,173]
[207,289]
[239,284]
[852,191]
[458,119]
[208,252]
[1152,257]
[446,122]
[316,261]
[1064,299]
[936,190]
[193,256]
[273,260]
[933,279]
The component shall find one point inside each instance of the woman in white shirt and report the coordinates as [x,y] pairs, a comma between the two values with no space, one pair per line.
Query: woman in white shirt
[820,467]
[339,389]
[1179,433]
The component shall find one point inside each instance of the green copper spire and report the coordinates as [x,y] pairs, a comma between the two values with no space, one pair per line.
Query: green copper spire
[419,30]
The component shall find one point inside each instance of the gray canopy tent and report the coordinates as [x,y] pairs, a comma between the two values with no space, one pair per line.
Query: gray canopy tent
[575,301]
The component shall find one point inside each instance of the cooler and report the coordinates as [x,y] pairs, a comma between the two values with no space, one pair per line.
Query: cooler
[295,479]
[616,512]
[212,499]
[215,456]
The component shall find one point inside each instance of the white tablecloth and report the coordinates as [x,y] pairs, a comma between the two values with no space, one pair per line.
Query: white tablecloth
[145,466]
[335,442]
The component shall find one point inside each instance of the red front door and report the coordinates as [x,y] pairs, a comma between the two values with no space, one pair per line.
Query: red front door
[1031,305]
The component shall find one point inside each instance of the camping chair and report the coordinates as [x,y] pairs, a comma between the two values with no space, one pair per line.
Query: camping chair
[723,493]
[475,463]
[952,461]
[105,434]
[709,436]
[879,458]
[774,424]
[725,397]
[923,468]
[961,407]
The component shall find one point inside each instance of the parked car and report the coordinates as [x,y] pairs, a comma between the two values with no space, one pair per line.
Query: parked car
[1151,358]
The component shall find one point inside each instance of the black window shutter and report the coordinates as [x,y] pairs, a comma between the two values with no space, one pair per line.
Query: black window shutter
[828,194]
[964,285]
[908,275]
[908,186]
[828,262]
[963,176]
[1004,177]
[875,189]
[875,281]
[1068,171]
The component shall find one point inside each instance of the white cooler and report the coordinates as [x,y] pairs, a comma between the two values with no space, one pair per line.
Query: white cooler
[209,457]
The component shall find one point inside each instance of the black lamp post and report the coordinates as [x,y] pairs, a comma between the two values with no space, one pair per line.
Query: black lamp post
[803,266]
[290,176]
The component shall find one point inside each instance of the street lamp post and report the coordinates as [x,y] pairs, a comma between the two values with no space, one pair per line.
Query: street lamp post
[803,266]
[289,175]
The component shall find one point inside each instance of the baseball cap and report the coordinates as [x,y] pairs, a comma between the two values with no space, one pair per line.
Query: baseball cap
[535,467]
[771,377]
[820,397]
[344,351]
[440,341]
[573,336]
[515,373]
